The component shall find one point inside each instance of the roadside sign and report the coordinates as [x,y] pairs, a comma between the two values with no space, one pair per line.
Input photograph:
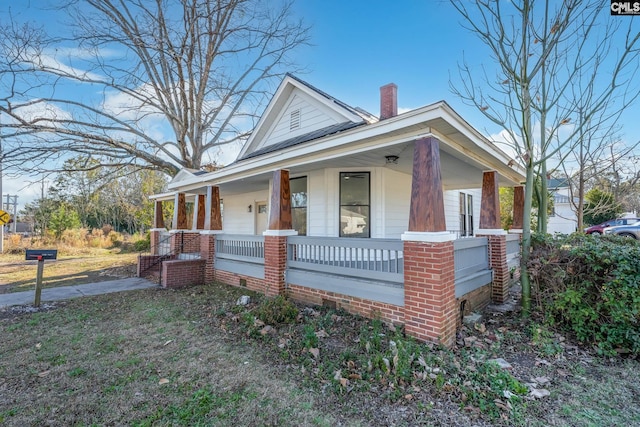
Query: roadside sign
[4,217]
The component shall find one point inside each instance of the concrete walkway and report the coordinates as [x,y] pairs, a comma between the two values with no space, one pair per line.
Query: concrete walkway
[68,292]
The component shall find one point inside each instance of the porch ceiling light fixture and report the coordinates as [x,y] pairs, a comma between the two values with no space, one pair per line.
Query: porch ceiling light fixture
[392,160]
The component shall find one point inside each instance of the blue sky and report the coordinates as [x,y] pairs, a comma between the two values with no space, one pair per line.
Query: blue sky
[358,46]
[362,45]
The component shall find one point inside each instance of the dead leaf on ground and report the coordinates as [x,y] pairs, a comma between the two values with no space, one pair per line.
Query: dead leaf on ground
[315,352]
[322,334]
[163,381]
[43,374]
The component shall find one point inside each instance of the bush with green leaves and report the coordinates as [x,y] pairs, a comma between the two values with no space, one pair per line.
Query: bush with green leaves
[591,286]
[273,311]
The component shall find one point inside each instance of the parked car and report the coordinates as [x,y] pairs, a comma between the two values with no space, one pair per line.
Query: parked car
[630,230]
[598,229]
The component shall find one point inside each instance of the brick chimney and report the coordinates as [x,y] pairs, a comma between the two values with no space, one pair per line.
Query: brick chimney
[388,101]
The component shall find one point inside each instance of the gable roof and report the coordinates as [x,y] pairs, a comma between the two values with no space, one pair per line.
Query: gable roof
[328,130]
[555,183]
[324,115]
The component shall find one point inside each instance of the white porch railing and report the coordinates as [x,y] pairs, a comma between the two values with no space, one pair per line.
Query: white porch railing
[241,254]
[366,268]
[471,264]
[513,250]
[370,269]
[377,259]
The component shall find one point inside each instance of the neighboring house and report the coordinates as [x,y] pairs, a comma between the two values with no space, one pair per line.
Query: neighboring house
[329,203]
[563,218]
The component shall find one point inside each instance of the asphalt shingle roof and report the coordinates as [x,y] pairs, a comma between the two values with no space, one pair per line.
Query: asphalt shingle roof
[329,130]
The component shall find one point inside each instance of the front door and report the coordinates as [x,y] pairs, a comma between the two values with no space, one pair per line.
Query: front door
[262,217]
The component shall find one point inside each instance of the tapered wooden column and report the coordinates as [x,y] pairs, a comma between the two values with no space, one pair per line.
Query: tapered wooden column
[429,279]
[490,204]
[497,237]
[212,227]
[199,212]
[427,201]
[213,217]
[518,208]
[280,209]
[180,212]
[275,238]
[158,218]
[157,229]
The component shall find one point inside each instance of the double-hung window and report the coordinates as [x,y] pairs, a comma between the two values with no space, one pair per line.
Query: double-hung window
[355,207]
[466,215]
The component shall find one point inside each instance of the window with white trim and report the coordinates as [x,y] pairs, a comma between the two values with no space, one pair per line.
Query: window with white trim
[466,214]
[355,204]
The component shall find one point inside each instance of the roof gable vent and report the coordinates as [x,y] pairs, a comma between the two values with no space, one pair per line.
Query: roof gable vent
[294,120]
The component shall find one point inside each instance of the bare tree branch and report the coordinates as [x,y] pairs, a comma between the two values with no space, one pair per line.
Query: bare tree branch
[161,82]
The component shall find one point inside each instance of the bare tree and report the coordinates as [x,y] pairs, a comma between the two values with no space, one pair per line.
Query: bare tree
[539,48]
[174,80]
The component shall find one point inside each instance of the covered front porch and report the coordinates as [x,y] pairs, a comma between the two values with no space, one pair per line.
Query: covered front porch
[422,276]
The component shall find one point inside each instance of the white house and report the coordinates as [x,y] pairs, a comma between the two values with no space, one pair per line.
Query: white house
[350,171]
[563,219]
[330,204]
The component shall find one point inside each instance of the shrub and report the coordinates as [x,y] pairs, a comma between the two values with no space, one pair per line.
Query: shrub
[75,237]
[589,285]
[138,242]
[141,245]
[95,238]
[115,238]
[277,310]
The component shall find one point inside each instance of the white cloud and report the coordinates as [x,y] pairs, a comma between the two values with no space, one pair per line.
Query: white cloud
[52,61]
[40,109]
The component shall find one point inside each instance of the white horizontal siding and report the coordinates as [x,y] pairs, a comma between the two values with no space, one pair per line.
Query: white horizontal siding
[317,204]
[564,221]
[236,218]
[313,116]
[452,209]
[397,199]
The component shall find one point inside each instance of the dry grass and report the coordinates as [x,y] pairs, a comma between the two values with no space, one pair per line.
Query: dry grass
[186,357]
[145,358]
[17,275]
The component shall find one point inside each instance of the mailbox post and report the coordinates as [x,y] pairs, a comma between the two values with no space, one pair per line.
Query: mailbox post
[40,255]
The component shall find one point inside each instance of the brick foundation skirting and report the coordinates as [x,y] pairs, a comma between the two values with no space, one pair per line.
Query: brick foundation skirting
[475,300]
[241,281]
[366,308]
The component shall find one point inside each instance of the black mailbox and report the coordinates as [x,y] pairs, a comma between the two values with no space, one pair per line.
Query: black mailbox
[44,253]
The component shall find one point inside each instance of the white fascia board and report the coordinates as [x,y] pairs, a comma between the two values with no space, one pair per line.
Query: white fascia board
[481,141]
[357,140]
[170,197]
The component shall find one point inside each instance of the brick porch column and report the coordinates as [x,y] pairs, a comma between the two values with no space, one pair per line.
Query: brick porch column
[212,223]
[275,238]
[497,237]
[429,281]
